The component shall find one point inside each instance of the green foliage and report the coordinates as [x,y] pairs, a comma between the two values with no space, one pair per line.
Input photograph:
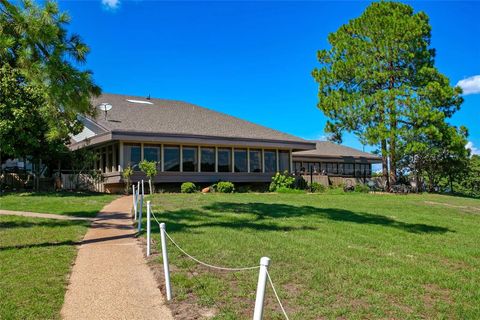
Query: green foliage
[378,80]
[281,180]
[225,187]
[127,174]
[362,188]
[317,187]
[289,190]
[188,187]
[34,41]
[150,170]
[469,183]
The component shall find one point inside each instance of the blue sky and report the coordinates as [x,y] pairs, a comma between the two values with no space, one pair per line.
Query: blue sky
[253,59]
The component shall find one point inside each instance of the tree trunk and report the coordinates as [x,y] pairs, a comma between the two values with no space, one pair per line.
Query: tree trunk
[150,185]
[385,164]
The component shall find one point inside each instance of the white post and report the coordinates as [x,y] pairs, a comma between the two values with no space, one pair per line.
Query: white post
[262,281]
[166,269]
[149,212]
[134,200]
[141,208]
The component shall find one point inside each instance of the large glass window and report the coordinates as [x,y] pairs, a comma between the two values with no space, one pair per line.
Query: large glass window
[284,160]
[240,160]
[190,159]
[208,160]
[224,160]
[340,168]
[132,155]
[349,169]
[171,158]
[255,161]
[298,167]
[270,161]
[152,153]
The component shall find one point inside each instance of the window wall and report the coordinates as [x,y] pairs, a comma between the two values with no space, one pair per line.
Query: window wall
[224,160]
[191,158]
[333,168]
[171,158]
[240,160]
[207,156]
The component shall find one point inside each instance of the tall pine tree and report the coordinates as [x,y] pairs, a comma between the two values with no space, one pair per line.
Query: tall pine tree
[378,80]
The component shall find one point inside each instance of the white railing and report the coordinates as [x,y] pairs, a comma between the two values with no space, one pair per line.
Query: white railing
[263,274]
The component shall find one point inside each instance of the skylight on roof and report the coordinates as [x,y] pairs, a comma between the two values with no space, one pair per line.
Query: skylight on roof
[139,101]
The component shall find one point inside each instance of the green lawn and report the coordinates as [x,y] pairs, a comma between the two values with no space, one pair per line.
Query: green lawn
[67,203]
[36,254]
[35,260]
[355,256]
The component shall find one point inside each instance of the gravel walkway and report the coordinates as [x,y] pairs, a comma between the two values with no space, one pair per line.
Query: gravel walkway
[42,215]
[110,278]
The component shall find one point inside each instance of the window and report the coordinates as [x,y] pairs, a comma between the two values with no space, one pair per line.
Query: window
[152,153]
[349,169]
[224,160]
[358,169]
[132,156]
[340,168]
[240,160]
[298,167]
[255,161]
[171,158]
[190,159]
[208,160]
[270,161]
[284,160]
[109,162]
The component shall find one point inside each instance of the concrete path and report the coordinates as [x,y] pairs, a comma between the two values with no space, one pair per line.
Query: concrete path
[110,278]
[42,215]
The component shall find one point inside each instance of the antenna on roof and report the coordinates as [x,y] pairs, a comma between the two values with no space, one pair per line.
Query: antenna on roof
[148,98]
[105,107]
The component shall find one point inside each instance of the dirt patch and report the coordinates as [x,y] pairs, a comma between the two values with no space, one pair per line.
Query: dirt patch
[463,208]
[434,294]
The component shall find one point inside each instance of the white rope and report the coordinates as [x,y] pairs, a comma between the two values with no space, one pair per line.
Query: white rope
[276,295]
[198,261]
[206,264]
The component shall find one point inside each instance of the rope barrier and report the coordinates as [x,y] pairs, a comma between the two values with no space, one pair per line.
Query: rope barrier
[201,262]
[276,295]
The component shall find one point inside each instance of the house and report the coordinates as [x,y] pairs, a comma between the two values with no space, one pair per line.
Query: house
[188,143]
[335,160]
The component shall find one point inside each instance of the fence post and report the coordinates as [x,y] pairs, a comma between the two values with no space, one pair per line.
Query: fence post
[134,201]
[148,227]
[166,268]
[141,209]
[262,281]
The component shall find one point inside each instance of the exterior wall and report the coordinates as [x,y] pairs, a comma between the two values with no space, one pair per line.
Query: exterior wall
[341,167]
[118,163]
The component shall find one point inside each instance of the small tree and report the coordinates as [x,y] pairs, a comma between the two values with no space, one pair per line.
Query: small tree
[150,170]
[127,174]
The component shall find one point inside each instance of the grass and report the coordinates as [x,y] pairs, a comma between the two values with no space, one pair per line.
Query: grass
[355,256]
[35,260]
[67,203]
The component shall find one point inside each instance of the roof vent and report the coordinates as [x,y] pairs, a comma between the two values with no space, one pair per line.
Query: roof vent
[139,101]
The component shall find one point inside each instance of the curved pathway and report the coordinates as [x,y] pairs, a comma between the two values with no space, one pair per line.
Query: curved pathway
[110,278]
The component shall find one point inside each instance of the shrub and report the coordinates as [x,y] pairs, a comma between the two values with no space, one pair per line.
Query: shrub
[188,187]
[363,188]
[281,180]
[317,187]
[225,187]
[289,190]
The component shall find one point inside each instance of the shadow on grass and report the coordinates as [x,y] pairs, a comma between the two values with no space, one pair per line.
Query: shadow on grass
[58,194]
[274,210]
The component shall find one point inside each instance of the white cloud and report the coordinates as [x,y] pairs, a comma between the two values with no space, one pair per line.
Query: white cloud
[470,85]
[472,147]
[111,4]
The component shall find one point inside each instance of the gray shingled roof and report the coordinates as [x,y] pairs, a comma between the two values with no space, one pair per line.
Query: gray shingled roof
[175,117]
[330,149]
